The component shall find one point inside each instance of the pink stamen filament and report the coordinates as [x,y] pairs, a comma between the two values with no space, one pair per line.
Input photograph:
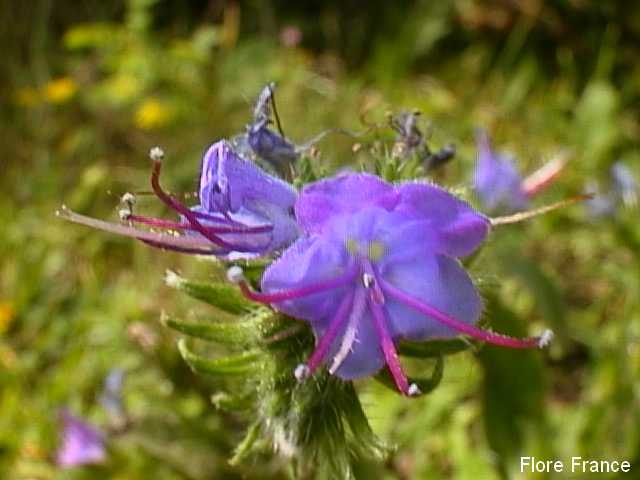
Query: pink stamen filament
[293,293]
[464,328]
[388,348]
[320,352]
[186,212]
[192,251]
[169,224]
[187,244]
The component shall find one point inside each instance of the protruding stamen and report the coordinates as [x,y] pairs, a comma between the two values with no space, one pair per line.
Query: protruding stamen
[182,209]
[457,325]
[301,372]
[161,240]
[312,289]
[522,216]
[322,348]
[349,336]
[388,348]
[170,224]
[414,390]
[367,280]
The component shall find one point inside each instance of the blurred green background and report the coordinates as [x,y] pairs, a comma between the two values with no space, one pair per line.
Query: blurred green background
[89,86]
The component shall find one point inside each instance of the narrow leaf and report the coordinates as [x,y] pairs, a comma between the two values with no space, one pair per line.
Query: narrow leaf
[242,364]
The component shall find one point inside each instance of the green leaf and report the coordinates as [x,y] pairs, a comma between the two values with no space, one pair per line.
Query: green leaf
[224,296]
[514,387]
[232,332]
[242,364]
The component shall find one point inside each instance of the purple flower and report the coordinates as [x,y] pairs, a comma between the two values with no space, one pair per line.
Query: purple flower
[82,443]
[111,396]
[243,211]
[497,182]
[378,263]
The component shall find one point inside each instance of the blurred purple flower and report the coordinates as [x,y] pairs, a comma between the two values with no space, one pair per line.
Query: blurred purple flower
[624,184]
[243,211]
[497,182]
[378,264]
[111,396]
[623,191]
[82,443]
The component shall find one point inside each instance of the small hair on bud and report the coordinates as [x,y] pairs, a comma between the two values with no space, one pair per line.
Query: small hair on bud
[124,214]
[414,390]
[128,198]
[301,372]
[545,339]
[235,274]
[156,154]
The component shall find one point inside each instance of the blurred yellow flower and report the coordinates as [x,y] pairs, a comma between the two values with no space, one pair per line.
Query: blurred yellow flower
[152,114]
[7,314]
[60,90]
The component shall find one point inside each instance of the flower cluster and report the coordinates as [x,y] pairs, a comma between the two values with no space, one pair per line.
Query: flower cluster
[365,262]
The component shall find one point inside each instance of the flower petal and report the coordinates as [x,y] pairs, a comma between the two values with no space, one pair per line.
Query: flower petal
[308,261]
[322,201]
[457,229]
[228,181]
[438,281]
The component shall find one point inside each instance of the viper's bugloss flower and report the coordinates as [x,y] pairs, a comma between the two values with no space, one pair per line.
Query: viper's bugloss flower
[622,191]
[243,212]
[378,263]
[498,183]
[82,443]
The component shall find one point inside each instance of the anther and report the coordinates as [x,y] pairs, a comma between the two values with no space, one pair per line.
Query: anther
[156,154]
[414,390]
[301,372]
[235,275]
[545,339]
[128,199]
[367,280]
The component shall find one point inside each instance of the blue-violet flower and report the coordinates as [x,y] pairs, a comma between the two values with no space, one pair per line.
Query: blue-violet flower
[377,263]
[82,443]
[243,212]
[498,184]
